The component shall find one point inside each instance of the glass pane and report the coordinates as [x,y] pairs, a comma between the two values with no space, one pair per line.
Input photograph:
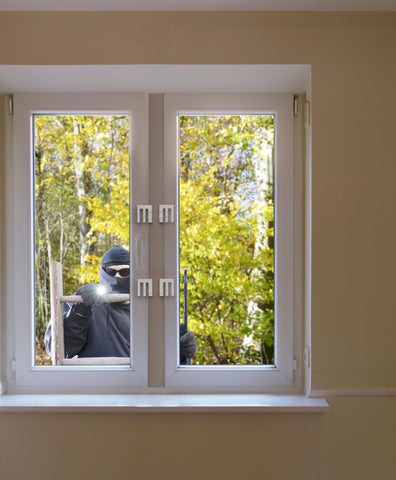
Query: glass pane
[81,206]
[227,236]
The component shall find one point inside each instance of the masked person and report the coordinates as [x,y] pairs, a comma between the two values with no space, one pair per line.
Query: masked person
[98,329]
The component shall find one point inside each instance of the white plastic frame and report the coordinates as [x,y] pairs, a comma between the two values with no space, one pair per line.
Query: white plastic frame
[26,377]
[238,378]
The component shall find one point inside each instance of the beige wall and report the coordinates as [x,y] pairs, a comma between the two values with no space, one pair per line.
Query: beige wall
[353,253]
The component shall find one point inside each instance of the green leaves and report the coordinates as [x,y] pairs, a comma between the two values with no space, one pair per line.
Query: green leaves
[81,198]
[226,219]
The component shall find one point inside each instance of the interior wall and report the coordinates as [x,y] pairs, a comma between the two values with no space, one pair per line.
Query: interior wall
[353,237]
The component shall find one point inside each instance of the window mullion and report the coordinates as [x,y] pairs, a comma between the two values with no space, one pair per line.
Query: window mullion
[156,330]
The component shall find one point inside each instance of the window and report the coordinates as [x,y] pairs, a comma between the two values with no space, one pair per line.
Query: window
[276,110]
[159,187]
[31,113]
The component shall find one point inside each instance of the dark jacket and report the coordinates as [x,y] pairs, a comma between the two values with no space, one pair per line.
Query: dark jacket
[99,332]
[104,332]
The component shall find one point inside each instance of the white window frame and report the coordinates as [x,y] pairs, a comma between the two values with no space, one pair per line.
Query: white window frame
[279,377]
[23,375]
[283,378]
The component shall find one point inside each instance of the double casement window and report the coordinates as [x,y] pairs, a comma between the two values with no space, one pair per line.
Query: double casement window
[204,191]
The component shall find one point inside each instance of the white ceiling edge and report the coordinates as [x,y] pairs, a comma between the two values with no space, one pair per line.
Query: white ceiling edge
[154,78]
[197,5]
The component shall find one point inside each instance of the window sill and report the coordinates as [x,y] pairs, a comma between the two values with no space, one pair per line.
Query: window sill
[172,403]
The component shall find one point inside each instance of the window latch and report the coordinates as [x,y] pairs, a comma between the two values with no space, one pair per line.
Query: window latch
[166,287]
[144,214]
[166,214]
[144,287]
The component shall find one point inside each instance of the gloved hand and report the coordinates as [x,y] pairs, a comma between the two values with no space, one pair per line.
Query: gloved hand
[188,346]
[92,296]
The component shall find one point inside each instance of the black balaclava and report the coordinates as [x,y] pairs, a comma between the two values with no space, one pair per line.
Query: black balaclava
[115,256]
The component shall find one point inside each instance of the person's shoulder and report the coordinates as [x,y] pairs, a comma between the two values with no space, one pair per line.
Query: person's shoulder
[121,306]
[100,311]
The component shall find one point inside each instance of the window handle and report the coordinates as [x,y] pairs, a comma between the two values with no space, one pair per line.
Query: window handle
[139,245]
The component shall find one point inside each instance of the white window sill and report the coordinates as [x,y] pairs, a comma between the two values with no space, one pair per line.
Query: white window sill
[172,403]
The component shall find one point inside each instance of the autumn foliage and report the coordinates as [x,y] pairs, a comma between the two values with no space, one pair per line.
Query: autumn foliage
[225,211]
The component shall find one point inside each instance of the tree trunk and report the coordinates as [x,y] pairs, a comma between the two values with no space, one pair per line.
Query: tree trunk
[80,189]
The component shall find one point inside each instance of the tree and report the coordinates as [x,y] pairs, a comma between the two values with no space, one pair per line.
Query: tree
[226,215]
[81,199]
[226,220]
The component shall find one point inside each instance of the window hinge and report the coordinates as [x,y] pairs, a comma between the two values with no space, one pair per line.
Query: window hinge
[307,114]
[10,105]
[13,365]
[307,357]
[294,364]
[295,105]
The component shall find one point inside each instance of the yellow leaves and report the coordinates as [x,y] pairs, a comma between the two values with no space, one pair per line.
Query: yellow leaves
[225,222]
[89,273]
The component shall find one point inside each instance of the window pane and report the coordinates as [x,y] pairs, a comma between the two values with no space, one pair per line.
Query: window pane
[226,236]
[81,202]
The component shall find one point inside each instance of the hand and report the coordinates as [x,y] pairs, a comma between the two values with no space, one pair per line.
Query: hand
[92,295]
[188,347]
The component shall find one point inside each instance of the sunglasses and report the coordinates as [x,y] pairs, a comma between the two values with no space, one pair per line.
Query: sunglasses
[124,272]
